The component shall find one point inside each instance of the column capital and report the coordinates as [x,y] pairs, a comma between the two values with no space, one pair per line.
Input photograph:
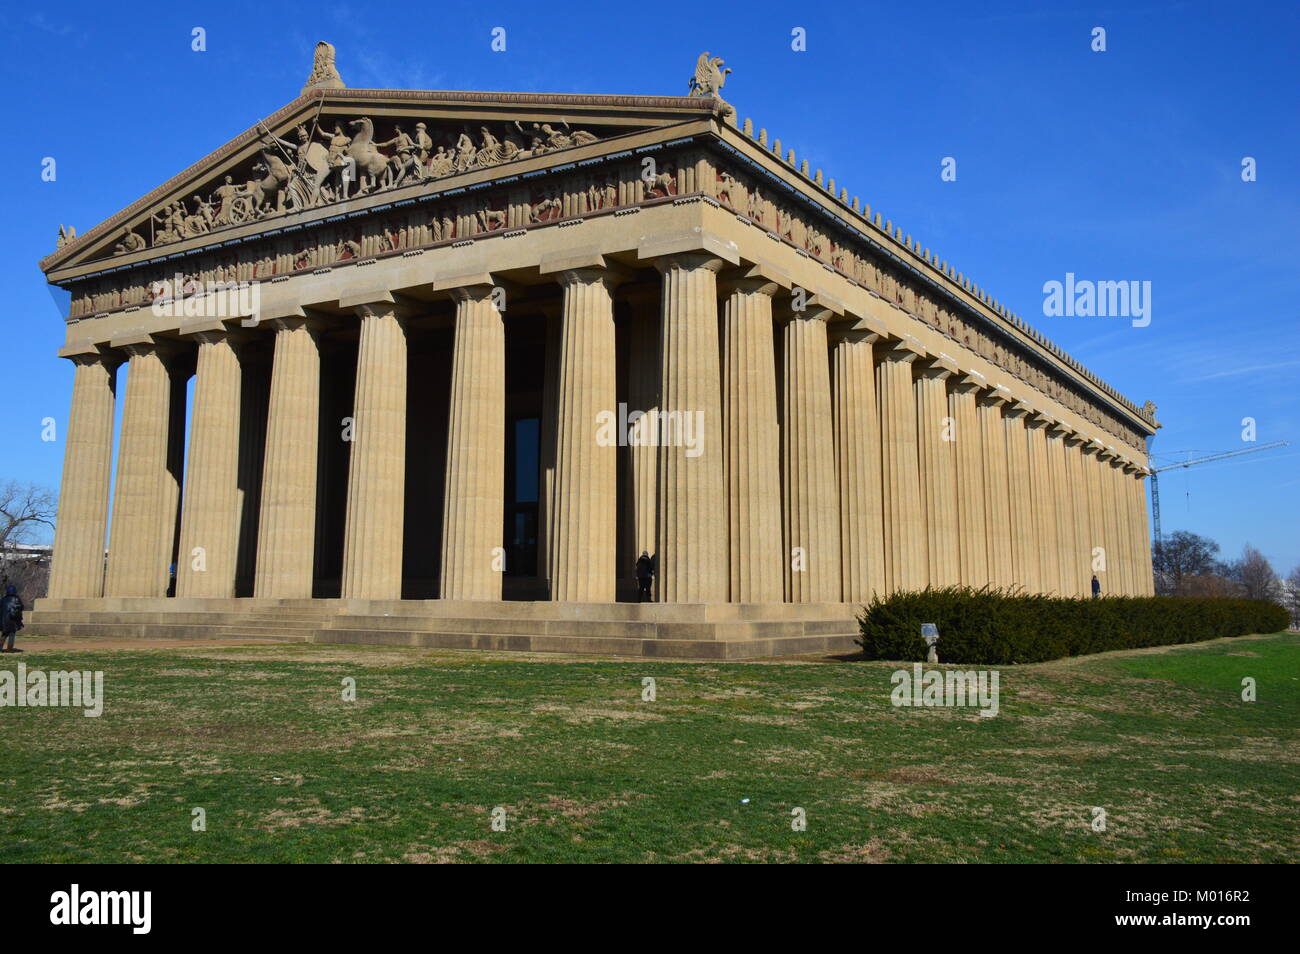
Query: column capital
[854,336]
[610,277]
[815,306]
[399,306]
[1060,429]
[755,279]
[83,353]
[1038,419]
[689,261]
[902,350]
[293,322]
[468,293]
[138,343]
[994,394]
[206,330]
[938,366]
[970,381]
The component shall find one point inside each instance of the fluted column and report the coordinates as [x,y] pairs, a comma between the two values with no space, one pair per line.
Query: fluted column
[1092,542]
[474,506]
[1122,570]
[1025,563]
[857,448]
[286,542]
[584,531]
[546,450]
[811,504]
[1064,507]
[372,537]
[643,448]
[1147,585]
[692,494]
[904,519]
[209,541]
[935,456]
[997,493]
[1127,484]
[1112,583]
[972,520]
[1043,497]
[753,448]
[1081,561]
[137,559]
[78,563]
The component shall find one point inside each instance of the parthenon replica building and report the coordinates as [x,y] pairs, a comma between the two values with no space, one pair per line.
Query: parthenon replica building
[459,358]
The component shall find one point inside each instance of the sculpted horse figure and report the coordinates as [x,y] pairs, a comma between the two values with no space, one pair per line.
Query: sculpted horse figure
[371,164]
[270,190]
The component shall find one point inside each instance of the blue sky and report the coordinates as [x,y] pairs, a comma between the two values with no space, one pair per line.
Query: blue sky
[1118,165]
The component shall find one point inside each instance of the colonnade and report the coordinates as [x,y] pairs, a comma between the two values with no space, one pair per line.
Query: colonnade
[829,464]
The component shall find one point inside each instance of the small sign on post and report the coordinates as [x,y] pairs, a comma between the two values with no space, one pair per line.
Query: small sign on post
[930,633]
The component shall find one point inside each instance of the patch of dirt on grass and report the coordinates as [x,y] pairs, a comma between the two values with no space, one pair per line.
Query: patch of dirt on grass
[280,818]
[583,715]
[918,775]
[873,852]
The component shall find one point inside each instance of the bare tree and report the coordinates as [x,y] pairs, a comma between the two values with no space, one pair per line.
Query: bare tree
[1256,576]
[1179,557]
[24,510]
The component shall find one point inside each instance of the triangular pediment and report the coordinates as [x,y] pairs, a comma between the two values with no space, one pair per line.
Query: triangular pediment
[348,148]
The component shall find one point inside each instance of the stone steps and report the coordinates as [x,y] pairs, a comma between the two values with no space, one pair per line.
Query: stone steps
[589,644]
[698,631]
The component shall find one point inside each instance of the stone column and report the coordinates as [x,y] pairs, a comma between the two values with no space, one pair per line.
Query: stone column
[137,559]
[1147,585]
[692,495]
[584,551]
[546,450]
[904,520]
[209,542]
[1078,501]
[752,436]
[1111,582]
[1043,503]
[938,483]
[811,504]
[997,494]
[1092,544]
[286,542]
[643,448]
[857,448]
[1064,507]
[1132,514]
[474,504]
[78,564]
[372,536]
[1025,563]
[972,520]
[1123,567]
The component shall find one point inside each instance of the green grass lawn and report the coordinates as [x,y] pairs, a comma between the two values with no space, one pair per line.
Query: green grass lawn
[260,738]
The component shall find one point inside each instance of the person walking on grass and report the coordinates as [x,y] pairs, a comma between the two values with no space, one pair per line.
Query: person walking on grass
[11,619]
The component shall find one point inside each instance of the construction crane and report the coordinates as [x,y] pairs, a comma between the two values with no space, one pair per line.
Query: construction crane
[1155,486]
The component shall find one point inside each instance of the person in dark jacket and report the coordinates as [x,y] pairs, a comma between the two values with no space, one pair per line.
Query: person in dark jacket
[1096,586]
[645,572]
[11,618]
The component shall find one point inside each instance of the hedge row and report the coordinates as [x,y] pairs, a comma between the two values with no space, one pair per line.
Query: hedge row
[1000,627]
